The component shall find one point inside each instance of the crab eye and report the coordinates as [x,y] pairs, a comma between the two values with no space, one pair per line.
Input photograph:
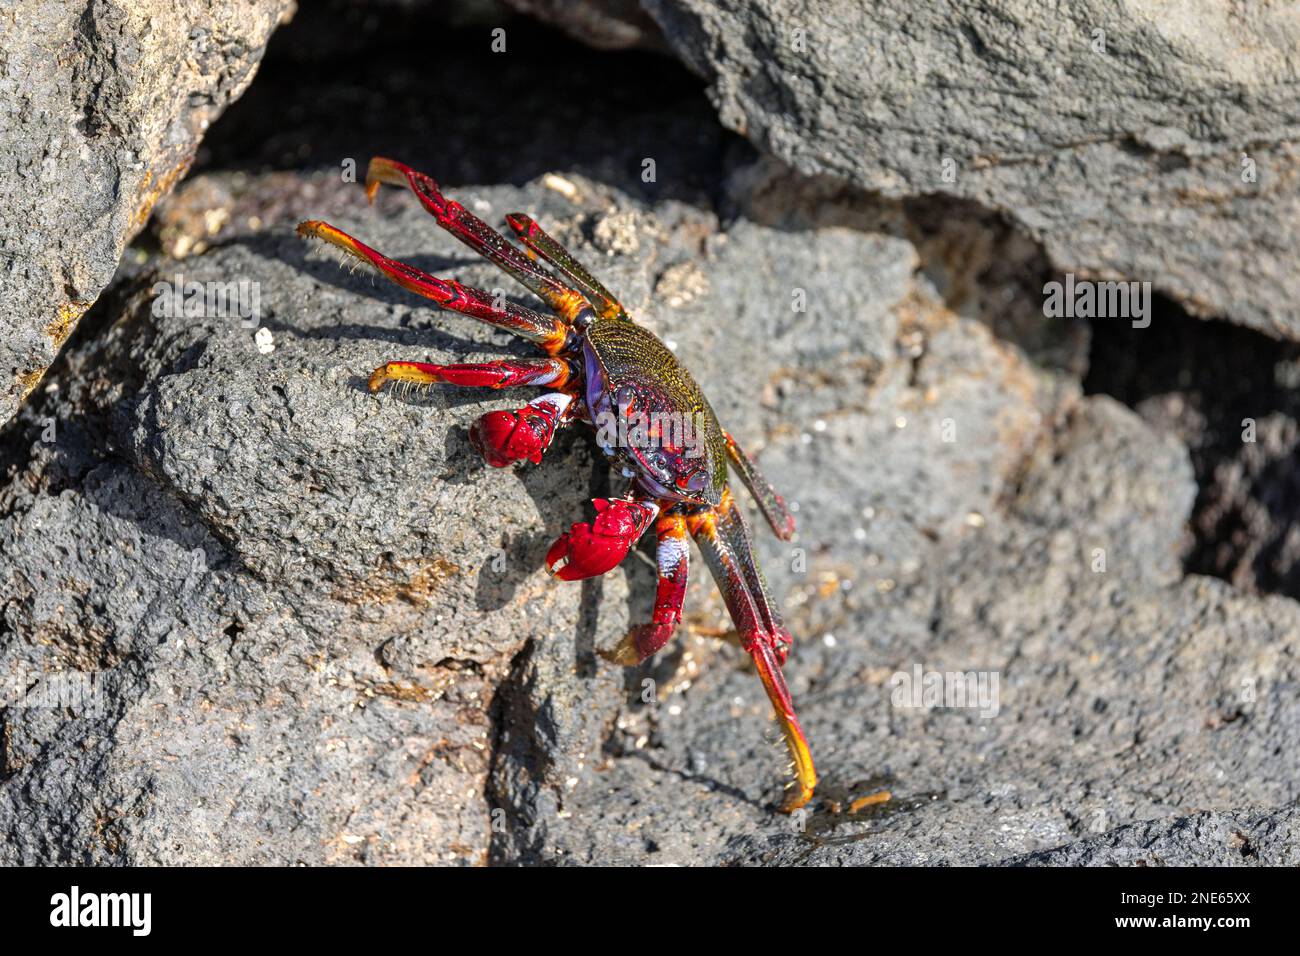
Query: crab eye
[625,400]
[692,481]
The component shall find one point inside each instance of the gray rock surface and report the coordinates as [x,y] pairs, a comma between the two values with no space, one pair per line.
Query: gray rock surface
[255,614]
[1115,134]
[1125,694]
[103,105]
[270,680]
[1228,838]
[251,613]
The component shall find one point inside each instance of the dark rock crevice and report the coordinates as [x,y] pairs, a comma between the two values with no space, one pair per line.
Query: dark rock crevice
[1232,395]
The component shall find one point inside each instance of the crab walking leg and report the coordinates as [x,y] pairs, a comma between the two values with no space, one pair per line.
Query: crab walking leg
[723,563]
[476,234]
[504,437]
[672,558]
[769,502]
[555,372]
[735,530]
[540,243]
[548,332]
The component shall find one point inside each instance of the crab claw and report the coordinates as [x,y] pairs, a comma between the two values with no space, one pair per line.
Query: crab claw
[586,550]
[503,438]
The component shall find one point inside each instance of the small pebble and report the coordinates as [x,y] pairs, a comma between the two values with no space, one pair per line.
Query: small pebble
[264,340]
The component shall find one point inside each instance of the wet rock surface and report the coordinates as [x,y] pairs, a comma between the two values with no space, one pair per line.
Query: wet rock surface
[104,105]
[252,613]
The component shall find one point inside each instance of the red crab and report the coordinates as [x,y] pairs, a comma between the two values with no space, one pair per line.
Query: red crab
[653,423]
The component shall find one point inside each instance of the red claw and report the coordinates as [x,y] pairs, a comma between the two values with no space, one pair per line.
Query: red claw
[503,438]
[586,550]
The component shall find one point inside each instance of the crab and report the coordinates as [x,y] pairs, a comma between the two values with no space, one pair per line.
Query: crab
[653,423]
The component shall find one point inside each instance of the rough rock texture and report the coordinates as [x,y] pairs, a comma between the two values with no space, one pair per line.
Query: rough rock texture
[1115,133]
[283,591]
[102,106]
[1125,695]
[1229,838]
[250,613]
[312,627]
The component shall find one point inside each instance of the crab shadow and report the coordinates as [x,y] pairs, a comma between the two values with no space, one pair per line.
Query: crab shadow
[420,318]
[520,553]
[559,504]
[523,553]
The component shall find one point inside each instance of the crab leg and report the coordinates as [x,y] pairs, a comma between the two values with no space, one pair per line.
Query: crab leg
[507,373]
[550,333]
[478,235]
[540,243]
[672,559]
[734,528]
[769,502]
[762,645]
[504,437]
